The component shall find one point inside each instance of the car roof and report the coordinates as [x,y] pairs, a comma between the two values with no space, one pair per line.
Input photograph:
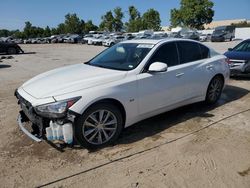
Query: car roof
[156,41]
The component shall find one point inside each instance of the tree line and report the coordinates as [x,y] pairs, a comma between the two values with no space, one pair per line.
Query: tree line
[72,24]
[112,21]
[192,14]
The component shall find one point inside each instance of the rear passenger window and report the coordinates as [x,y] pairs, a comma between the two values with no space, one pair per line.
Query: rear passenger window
[188,51]
[204,52]
[167,53]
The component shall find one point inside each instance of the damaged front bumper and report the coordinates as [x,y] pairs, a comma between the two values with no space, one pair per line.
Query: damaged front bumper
[35,126]
[25,130]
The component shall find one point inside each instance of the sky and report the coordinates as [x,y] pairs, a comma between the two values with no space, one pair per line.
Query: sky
[13,13]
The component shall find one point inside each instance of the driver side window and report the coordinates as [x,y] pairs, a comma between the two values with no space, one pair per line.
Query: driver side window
[167,53]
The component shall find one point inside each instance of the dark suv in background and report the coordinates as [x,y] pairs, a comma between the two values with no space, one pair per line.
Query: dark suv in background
[223,33]
[10,48]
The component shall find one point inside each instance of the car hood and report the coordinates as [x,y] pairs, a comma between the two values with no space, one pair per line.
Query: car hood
[238,55]
[69,79]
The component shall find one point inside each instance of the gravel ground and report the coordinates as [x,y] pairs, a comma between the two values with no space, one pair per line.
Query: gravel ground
[193,146]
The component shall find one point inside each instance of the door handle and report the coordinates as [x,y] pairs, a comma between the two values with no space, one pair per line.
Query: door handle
[209,66]
[179,74]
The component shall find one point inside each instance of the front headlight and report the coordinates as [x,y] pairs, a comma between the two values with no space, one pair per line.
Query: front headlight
[56,109]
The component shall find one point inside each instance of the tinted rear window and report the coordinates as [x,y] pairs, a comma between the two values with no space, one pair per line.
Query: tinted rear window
[204,52]
[188,51]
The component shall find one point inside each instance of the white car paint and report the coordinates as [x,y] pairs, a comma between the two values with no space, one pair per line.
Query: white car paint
[142,94]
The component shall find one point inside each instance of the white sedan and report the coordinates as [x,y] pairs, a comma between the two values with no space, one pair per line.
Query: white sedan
[91,103]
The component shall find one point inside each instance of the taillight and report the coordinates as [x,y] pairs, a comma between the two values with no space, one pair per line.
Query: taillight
[227,60]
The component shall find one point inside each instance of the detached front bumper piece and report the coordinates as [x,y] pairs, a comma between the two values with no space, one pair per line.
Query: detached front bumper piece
[25,131]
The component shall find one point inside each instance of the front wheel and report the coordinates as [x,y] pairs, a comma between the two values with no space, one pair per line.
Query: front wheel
[214,90]
[100,125]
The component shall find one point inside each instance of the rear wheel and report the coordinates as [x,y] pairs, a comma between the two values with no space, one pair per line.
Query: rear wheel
[100,125]
[214,90]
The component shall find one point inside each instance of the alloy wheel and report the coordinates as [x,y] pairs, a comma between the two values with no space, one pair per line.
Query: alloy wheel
[215,89]
[99,127]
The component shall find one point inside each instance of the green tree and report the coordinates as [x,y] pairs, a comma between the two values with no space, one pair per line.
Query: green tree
[135,22]
[193,14]
[72,24]
[54,31]
[18,34]
[151,20]
[89,26]
[5,33]
[47,32]
[30,31]
[37,32]
[61,29]
[27,31]
[118,24]
[175,19]
[107,22]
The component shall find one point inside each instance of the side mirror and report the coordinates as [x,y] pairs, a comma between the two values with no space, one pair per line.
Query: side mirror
[158,67]
[230,49]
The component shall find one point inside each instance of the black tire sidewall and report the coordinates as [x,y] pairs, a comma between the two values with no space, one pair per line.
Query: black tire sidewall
[208,100]
[78,126]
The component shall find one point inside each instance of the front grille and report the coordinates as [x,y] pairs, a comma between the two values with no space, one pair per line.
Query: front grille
[29,112]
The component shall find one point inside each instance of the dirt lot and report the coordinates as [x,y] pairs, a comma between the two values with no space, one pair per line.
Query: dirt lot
[194,146]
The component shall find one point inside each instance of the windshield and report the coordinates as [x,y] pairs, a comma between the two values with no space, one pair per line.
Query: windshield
[122,56]
[219,31]
[242,47]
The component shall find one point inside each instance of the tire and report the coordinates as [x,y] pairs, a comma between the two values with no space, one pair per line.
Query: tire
[12,50]
[214,90]
[91,132]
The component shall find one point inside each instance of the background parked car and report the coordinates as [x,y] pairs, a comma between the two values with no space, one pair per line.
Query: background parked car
[190,35]
[239,58]
[114,40]
[75,38]
[175,35]
[223,33]
[99,41]
[205,37]
[86,38]
[92,40]
[10,48]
